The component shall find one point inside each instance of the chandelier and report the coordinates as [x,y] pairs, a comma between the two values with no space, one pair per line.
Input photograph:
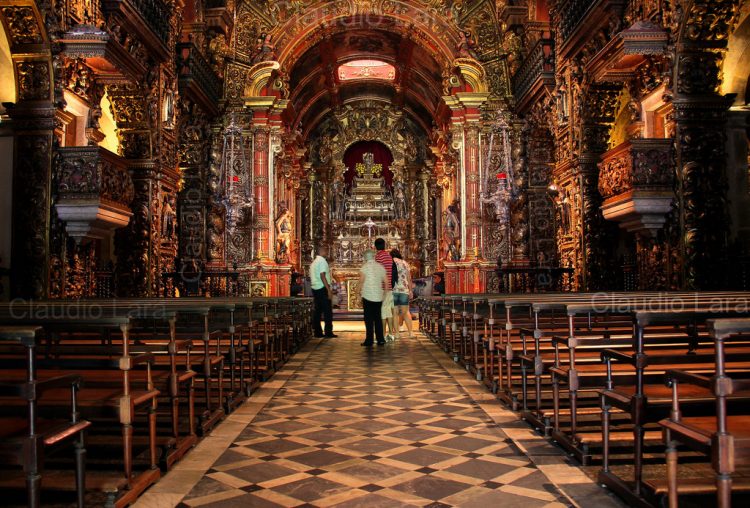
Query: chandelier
[236,195]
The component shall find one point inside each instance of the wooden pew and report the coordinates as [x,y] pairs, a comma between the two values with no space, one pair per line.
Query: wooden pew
[93,345]
[643,398]
[27,441]
[577,372]
[722,436]
[112,390]
[517,364]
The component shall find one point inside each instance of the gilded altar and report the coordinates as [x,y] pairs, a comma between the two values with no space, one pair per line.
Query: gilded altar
[364,209]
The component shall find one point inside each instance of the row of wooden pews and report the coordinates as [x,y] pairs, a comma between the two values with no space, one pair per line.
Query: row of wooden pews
[98,398]
[589,372]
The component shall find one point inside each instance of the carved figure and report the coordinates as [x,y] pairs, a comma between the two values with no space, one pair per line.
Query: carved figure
[283,234]
[452,233]
[467,46]
[338,199]
[169,109]
[265,50]
[345,252]
[399,199]
[167,220]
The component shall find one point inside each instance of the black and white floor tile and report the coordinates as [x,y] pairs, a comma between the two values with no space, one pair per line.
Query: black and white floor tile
[397,425]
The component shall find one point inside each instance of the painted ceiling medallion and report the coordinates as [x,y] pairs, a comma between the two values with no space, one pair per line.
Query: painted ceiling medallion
[366,69]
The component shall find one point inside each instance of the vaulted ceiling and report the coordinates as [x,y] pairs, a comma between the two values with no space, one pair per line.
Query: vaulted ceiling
[317,90]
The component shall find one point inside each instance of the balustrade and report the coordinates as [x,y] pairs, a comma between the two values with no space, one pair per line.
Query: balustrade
[196,77]
[636,182]
[538,69]
[156,14]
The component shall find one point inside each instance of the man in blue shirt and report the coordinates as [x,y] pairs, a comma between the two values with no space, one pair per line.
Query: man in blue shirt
[320,282]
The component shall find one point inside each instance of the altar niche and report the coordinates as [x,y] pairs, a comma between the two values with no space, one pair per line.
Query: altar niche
[367,201]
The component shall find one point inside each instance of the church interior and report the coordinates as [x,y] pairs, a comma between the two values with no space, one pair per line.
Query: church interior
[567,181]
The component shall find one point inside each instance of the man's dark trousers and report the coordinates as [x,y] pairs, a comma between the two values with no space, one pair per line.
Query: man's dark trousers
[322,306]
[373,321]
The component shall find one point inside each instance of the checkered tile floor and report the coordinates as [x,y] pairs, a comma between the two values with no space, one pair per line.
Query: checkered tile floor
[380,428]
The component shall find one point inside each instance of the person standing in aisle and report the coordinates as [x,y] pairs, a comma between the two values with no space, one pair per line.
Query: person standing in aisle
[320,282]
[371,281]
[401,292]
[386,311]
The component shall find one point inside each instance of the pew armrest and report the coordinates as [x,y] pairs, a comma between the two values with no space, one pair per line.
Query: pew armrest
[30,390]
[141,359]
[183,345]
[683,376]
[59,381]
[613,354]
[560,340]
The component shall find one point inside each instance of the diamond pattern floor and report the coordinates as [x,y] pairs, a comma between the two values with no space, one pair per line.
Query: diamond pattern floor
[378,428]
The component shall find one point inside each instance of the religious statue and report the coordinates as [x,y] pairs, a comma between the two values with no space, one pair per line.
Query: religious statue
[345,252]
[563,203]
[167,220]
[264,50]
[168,112]
[283,233]
[467,46]
[338,200]
[452,232]
[399,198]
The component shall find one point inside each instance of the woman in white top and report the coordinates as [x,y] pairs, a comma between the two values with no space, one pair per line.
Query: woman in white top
[401,291]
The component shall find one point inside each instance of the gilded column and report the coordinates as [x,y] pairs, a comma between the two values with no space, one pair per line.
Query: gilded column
[519,213]
[260,192]
[473,209]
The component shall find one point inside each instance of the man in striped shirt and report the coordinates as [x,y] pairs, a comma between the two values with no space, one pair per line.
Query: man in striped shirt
[386,310]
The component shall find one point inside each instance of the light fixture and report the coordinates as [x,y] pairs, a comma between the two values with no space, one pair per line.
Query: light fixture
[235,191]
[500,190]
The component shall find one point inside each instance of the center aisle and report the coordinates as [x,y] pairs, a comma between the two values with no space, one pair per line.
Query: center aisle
[397,425]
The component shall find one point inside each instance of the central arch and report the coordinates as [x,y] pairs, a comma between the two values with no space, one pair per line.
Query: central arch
[427,106]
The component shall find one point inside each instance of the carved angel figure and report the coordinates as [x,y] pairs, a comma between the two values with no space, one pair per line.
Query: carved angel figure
[218,50]
[467,46]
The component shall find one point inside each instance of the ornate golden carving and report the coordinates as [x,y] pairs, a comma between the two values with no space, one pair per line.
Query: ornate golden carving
[33,80]
[22,24]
